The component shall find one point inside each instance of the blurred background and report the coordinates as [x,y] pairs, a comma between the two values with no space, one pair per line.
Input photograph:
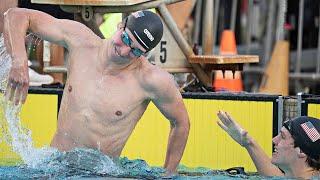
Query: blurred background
[284,34]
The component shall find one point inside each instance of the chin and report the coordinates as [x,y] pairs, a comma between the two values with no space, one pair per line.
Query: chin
[278,163]
[274,160]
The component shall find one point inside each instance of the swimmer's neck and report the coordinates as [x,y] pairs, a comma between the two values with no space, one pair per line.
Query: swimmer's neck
[300,171]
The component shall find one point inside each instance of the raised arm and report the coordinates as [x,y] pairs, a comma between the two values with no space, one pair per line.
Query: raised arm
[17,21]
[258,156]
[169,101]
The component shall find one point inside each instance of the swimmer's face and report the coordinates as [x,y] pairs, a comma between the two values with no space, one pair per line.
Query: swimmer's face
[285,151]
[125,43]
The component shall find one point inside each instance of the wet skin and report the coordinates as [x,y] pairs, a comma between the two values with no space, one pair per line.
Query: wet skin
[107,89]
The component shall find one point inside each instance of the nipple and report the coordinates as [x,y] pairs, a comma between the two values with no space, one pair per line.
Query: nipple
[118,113]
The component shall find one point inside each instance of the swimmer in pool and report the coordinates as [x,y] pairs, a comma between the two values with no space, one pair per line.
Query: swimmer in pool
[110,82]
[297,147]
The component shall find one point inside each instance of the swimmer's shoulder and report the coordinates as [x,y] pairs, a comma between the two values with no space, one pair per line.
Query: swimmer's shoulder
[153,77]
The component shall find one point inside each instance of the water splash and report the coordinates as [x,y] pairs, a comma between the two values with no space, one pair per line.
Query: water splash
[84,162]
[19,137]
[5,64]
[13,132]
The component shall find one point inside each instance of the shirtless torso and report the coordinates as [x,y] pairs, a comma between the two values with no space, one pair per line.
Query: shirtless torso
[108,86]
[100,109]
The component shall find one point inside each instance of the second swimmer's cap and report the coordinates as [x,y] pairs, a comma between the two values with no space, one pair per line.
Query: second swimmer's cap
[306,134]
[146,27]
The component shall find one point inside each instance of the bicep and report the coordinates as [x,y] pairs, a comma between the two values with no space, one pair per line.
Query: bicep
[60,31]
[169,101]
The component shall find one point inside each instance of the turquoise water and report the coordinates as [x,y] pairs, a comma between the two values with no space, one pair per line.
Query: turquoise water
[89,163]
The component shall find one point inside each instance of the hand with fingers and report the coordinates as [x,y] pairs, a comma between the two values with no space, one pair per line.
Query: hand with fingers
[18,84]
[233,129]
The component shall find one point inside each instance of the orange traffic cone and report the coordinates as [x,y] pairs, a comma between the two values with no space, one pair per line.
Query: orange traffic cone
[228,81]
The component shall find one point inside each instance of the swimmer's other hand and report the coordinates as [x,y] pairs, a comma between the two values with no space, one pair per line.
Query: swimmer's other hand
[18,84]
[233,129]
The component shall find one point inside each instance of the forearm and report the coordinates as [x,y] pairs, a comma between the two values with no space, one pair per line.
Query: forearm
[176,145]
[15,28]
[261,160]
[4,6]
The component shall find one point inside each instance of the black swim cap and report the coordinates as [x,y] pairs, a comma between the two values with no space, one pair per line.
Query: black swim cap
[306,134]
[146,27]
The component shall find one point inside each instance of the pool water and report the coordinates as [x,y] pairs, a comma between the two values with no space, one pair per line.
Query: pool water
[89,163]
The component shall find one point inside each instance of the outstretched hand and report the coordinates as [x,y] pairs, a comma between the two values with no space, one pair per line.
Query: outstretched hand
[233,129]
[18,84]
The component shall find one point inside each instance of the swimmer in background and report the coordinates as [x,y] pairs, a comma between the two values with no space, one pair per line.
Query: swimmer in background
[297,147]
[110,83]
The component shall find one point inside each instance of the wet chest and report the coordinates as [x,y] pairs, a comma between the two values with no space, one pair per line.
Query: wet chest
[107,97]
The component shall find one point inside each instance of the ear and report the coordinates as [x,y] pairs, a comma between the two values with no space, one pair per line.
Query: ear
[300,153]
